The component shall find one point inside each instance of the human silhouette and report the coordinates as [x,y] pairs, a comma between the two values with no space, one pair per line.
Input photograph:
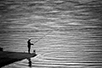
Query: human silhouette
[29,45]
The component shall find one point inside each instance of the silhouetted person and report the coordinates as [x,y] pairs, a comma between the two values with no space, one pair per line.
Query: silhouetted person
[29,45]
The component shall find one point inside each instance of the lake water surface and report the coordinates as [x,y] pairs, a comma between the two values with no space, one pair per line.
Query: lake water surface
[70,32]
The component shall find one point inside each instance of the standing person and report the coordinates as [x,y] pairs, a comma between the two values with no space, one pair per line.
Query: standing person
[29,45]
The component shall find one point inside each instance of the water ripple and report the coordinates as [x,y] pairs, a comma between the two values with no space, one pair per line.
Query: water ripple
[75,34]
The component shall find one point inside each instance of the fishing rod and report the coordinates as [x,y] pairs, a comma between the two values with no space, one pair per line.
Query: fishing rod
[53,29]
[43,37]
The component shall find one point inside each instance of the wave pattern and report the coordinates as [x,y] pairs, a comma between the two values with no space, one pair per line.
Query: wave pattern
[72,28]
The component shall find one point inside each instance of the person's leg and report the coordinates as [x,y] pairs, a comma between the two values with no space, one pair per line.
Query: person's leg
[28,49]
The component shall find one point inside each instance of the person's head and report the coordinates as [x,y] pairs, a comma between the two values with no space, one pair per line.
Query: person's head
[29,39]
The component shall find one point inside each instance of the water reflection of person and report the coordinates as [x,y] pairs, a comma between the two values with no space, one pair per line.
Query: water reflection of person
[29,45]
[29,62]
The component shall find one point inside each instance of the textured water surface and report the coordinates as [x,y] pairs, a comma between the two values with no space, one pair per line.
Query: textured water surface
[70,32]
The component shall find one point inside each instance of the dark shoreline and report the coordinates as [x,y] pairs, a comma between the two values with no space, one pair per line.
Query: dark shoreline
[10,57]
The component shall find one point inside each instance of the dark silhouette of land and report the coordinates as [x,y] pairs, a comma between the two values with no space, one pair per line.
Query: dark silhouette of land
[10,57]
[1,49]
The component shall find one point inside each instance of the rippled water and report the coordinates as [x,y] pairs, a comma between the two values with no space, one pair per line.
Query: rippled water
[70,31]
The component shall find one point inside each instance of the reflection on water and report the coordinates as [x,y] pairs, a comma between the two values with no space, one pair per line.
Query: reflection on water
[70,32]
[29,62]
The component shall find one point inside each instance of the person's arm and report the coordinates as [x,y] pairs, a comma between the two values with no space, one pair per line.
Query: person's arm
[32,44]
